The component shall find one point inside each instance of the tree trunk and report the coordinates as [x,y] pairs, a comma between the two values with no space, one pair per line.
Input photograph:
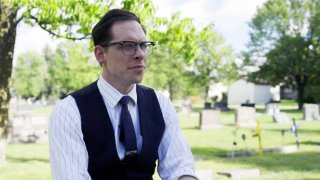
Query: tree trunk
[206,93]
[8,24]
[171,90]
[301,84]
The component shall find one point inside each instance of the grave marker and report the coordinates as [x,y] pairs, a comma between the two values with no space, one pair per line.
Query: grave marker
[294,129]
[257,133]
[210,119]
[272,108]
[311,112]
[246,117]
[281,117]
[28,129]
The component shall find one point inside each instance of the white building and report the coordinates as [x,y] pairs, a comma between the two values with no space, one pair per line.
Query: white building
[242,91]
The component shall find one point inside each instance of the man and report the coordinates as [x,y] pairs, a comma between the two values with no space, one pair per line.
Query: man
[115,128]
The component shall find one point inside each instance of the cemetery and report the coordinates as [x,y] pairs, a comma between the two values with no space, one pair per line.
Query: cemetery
[256,143]
[245,65]
[243,142]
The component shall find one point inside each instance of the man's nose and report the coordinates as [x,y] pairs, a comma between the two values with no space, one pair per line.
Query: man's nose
[140,54]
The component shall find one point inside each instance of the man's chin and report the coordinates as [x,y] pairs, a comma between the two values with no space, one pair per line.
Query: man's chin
[138,80]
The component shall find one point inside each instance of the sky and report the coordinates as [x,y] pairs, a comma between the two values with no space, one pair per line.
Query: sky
[230,18]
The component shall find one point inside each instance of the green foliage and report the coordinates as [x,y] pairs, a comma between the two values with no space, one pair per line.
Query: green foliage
[29,75]
[55,74]
[287,61]
[166,73]
[73,19]
[177,47]
[215,61]
[286,32]
[67,19]
[275,19]
[177,36]
[312,94]
[178,42]
[186,61]
[72,67]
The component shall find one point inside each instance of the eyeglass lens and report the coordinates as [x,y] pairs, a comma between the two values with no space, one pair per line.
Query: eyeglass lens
[130,48]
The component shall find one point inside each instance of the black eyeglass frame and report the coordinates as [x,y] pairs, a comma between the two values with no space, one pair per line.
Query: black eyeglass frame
[143,45]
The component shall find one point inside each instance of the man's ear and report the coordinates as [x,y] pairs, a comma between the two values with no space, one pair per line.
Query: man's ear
[99,54]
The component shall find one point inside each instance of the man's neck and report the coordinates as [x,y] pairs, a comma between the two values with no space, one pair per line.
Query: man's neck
[122,88]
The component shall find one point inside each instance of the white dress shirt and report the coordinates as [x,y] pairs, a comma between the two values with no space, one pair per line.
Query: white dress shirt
[68,153]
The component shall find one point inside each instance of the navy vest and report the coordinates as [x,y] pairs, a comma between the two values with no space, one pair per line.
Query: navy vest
[98,135]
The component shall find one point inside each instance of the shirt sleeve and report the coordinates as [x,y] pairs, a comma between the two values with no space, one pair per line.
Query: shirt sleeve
[175,156]
[68,154]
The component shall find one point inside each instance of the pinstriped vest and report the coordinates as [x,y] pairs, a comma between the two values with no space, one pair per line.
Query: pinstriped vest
[98,135]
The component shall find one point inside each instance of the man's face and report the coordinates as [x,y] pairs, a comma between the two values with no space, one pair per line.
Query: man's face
[121,70]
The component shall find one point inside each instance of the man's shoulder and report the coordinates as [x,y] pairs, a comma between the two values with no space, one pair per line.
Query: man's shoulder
[161,96]
[91,88]
[64,105]
[142,87]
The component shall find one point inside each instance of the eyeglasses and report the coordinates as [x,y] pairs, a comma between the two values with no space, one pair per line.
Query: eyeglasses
[129,48]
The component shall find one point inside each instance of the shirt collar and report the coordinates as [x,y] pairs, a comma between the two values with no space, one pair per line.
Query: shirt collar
[112,95]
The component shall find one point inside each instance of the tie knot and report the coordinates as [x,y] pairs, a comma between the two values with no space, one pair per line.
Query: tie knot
[124,100]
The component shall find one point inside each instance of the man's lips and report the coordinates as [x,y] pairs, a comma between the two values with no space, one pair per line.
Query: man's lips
[139,67]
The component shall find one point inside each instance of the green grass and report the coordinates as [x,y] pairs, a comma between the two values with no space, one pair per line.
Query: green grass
[286,102]
[208,144]
[30,161]
[26,162]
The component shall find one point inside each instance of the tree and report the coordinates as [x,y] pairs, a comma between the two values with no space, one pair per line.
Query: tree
[72,67]
[71,19]
[48,90]
[165,73]
[214,63]
[286,32]
[7,38]
[177,48]
[29,75]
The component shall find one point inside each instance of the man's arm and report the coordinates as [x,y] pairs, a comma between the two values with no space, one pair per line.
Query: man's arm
[68,154]
[175,157]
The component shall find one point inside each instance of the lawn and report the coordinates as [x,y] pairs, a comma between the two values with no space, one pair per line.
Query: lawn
[207,145]
[31,161]
[26,162]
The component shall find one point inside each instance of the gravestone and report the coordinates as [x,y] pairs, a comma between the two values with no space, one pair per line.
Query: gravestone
[281,117]
[245,117]
[272,108]
[311,112]
[27,128]
[210,119]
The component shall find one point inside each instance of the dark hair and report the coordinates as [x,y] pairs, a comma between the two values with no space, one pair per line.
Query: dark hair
[101,32]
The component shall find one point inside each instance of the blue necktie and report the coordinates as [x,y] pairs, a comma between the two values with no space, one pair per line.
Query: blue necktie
[127,133]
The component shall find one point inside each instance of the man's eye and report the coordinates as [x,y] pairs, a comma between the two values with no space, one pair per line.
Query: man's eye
[144,46]
[129,45]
